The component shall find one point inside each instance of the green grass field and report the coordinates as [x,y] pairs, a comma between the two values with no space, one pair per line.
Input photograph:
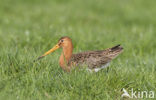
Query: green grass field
[28,28]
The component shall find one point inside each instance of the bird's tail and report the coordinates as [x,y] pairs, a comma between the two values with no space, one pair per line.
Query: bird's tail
[117,48]
[115,51]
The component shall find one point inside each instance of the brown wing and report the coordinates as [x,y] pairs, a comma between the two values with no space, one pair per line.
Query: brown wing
[96,58]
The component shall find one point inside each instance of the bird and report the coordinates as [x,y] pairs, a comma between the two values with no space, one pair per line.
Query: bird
[95,60]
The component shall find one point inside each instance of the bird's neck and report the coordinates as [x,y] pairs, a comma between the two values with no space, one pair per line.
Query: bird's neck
[65,56]
[67,53]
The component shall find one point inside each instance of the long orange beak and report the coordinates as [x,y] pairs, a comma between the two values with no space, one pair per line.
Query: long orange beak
[50,51]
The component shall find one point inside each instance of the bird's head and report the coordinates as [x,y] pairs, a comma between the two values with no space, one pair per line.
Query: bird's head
[63,42]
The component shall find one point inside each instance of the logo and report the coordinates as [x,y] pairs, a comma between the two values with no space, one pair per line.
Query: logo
[137,93]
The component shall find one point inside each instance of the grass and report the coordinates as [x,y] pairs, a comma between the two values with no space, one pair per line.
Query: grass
[28,28]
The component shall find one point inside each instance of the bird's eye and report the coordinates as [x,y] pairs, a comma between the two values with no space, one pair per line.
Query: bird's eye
[61,40]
